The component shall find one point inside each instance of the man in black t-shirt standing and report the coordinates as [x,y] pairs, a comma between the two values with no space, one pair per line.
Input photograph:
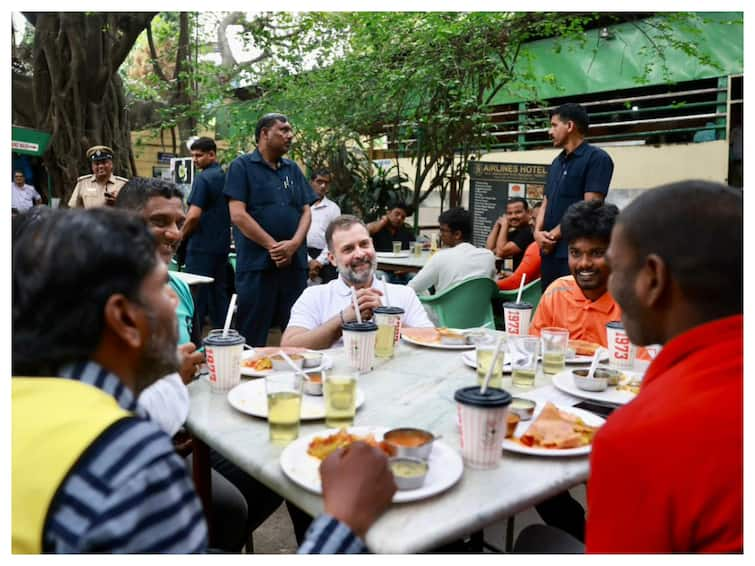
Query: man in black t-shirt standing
[512,232]
[580,172]
[208,231]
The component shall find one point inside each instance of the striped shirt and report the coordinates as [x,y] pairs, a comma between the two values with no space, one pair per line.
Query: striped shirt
[131,493]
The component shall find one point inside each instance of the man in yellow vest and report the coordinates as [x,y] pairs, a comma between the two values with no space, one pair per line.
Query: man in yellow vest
[93,326]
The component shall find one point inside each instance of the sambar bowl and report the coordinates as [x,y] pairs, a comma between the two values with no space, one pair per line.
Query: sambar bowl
[410,442]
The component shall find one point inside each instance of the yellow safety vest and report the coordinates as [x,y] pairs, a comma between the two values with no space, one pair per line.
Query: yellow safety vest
[54,421]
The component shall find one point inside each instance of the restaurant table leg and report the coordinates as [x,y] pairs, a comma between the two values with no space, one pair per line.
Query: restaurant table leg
[476,541]
[509,534]
[202,480]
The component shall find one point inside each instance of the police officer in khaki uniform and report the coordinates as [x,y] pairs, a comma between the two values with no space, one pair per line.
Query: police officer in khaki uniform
[101,187]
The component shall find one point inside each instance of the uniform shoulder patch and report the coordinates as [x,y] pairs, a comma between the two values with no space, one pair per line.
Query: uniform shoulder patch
[118,177]
[85,177]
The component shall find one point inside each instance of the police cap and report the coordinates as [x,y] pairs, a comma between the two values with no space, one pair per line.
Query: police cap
[99,153]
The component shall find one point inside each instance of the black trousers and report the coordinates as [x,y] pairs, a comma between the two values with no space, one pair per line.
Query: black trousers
[265,299]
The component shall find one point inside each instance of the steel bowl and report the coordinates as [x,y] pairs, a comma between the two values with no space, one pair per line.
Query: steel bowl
[410,442]
[408,473]
[524,408]
[594,383]
[613,375]
[279,364]
[312,383]
[312,359]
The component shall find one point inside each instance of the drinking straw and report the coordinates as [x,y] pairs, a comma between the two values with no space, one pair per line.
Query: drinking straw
[492,365]
[521,288]
[291,363]
[594,363]
[385,291]
[356,305]
[229,315]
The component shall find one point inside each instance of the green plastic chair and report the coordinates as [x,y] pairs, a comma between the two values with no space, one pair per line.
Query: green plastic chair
[530,294]
[464,305]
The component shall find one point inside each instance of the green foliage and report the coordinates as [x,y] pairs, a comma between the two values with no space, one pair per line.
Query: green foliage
[426,80]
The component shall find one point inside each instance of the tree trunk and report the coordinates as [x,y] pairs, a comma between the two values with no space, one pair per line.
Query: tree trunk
[76,91]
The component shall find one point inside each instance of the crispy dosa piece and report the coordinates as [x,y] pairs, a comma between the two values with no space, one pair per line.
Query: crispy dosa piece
[558,430]
[424,335]
[583,347]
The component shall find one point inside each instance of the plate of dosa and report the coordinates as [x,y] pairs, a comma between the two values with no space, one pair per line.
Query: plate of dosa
[431,337]
[301,467]
[256,362]
[555,431]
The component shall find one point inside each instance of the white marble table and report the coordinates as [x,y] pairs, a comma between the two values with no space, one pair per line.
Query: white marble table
[415,388]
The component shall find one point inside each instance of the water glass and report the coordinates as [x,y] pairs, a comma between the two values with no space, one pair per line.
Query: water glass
[555,342]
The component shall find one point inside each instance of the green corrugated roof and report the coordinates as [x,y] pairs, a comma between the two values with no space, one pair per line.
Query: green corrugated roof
[612,64]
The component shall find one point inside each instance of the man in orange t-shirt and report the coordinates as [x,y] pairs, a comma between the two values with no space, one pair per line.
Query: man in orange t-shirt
[580,302]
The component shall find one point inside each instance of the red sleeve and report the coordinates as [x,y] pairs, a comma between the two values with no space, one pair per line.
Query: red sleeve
[628,508]
[530,265]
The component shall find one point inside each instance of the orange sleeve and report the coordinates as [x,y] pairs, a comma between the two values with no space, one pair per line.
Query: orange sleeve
[530,265]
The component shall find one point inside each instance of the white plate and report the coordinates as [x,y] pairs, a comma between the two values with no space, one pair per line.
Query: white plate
[565,382]
[250,398]
[438,345]
[445,463]
[327,363]
[391,255]
[470,359]
[590,418]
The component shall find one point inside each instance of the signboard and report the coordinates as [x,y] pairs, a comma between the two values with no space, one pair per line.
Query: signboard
[182,173]
[492,184]
[28,141]
[164,156]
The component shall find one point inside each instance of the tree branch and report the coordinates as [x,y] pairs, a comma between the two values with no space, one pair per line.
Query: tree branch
[153,55]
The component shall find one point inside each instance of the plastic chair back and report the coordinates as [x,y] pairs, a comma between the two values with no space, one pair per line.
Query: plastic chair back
[530,294]
[464,305]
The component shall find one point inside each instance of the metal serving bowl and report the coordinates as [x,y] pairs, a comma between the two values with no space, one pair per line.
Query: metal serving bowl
[524,408]
[312,359]
[408,473]
[410,442]
[312,384]
[594,383]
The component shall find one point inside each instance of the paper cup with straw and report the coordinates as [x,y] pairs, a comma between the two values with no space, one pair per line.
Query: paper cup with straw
[223,349]
[518,315]
[481,413]
[359,339]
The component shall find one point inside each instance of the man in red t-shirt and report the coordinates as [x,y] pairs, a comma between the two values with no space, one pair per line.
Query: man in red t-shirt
[666,470]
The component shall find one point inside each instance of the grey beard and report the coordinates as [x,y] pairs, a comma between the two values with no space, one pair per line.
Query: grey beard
[353,278]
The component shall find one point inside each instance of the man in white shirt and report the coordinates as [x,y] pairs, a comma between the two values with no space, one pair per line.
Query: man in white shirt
[324,211]
[318,314]
[23,196]
[458,260]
